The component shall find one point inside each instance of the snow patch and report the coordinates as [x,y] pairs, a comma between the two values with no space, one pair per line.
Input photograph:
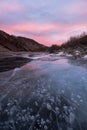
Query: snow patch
[77,52]
[60,54]
[25,55]
[68,55]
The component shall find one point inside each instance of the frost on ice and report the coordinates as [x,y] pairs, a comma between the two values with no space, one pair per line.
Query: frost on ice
[52,96]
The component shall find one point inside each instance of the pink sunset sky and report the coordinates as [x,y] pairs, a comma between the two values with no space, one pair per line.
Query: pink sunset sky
[48,22]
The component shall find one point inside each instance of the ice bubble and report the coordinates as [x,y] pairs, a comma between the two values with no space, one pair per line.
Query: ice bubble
[49,107]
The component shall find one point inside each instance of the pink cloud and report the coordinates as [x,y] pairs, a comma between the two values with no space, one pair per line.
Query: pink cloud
[8,7]
[76,8]
[56,38]
[35,27]
[31,27]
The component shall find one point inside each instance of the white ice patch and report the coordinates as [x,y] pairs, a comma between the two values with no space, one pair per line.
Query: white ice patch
[52,99]
[77,52]
[38,57]
[72,117]
[45,127]
[32,117]
[56,110]
[12,110]
[83,78]
[60,54]
[65,107]
[85,57]
[42,122]
[48,121]
[49,107]
[14,71]
[62,91]
[25,55]
[68,55]
[43,91]
[78,96]
[81,100]
[36,103]
[24,110]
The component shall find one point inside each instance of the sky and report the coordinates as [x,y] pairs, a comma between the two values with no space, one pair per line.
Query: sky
[46,21]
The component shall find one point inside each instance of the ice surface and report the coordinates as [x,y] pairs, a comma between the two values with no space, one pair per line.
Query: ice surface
[51,96]
[68,55]
[60,54]
[48,106]
[85,57]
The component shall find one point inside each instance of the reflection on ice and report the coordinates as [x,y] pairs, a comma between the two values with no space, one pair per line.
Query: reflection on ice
[49,93]
[29,66]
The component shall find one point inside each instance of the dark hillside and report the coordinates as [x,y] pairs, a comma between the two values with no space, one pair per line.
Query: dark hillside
[14,43]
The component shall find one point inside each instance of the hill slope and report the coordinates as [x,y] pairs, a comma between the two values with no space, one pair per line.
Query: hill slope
[76,44]
[14,43]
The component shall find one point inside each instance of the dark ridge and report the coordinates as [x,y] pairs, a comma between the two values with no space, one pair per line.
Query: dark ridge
[17,43]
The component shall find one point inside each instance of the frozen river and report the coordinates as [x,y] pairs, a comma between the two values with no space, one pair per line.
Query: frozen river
[48,93]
